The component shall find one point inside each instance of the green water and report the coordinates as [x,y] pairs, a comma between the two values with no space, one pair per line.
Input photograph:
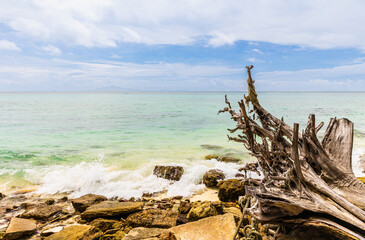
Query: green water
[43,132]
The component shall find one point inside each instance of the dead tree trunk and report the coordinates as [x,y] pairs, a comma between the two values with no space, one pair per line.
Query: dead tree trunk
[305,181]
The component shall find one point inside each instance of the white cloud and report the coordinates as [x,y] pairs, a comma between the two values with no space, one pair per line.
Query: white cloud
[7,45]
[341,78]
[257,51]
[33,74]
[105,23]
[52,50]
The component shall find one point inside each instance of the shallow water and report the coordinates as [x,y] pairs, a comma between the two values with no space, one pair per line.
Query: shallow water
[108,143]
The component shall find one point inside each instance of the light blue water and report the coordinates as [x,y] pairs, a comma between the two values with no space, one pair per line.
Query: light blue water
[43,133]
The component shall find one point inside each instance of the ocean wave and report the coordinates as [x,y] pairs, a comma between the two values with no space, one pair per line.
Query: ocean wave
[98,178]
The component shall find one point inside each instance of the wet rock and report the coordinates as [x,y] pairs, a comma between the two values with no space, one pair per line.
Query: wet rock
[141,233]
[80,204]
[41,211]
[105,224]
[184,207]
[155,218]
[239,175]
[76,232]
[212,177]
[169,172]
[2,195]
[229,159]
[201,210]
[50,201]
[211,156]
[221,227]
[19,227]
[229,190]
[211,147]
[111,209]
[51,231]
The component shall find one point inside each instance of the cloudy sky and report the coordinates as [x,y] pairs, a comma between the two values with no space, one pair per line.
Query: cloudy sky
[192,45]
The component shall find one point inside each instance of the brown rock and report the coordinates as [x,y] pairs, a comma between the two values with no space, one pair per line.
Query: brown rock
[201,210]
[229,159]
[106,224]
[211,147]
[211,156]
[80,204]
[141,233]
[111,209]
[212,177]
[19,228]
[229,190]
[235,211]
[221,227]
[169,172]
[155,218]
[76,232]
[184,207]
[41,211]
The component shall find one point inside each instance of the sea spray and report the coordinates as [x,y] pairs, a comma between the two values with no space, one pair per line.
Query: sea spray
[98,178]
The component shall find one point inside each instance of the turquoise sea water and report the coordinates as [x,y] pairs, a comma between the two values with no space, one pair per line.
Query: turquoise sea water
[108,143]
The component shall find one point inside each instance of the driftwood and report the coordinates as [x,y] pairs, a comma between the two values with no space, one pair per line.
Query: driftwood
[305,181]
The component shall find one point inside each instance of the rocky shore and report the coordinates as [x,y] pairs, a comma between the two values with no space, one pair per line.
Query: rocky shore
[26,215]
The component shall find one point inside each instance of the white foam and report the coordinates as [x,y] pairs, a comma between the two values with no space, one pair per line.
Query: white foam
[99,179]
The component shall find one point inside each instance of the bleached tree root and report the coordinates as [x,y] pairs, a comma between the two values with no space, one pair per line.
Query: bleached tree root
[305,181]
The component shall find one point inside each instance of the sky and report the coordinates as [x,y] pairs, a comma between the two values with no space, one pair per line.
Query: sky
[191,45]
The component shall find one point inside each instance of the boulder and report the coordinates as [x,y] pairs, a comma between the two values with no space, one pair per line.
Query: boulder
[80,204]
[105,224]
[41,211]
[201,210]
[229,190]
[154,218]
[76,232]
[141,233]
[229,159]
[221,227]
[212,177]
[169,172]
[111,209]
[211,156]
[184,207]
[19,228]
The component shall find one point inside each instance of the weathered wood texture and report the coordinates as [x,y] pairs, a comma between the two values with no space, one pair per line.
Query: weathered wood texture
[305,181]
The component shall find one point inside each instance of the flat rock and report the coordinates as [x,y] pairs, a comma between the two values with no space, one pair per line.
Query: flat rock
[74,232]
[80,204]
[106,224]
[41,211]
[169,172]
[154,218]
[142,233]
[111,209]
[211,156]
[221,227]
[19,227]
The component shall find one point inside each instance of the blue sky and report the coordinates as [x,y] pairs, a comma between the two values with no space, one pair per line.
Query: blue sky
[190,45]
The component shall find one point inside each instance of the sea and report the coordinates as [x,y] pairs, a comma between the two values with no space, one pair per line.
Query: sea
[109,143]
